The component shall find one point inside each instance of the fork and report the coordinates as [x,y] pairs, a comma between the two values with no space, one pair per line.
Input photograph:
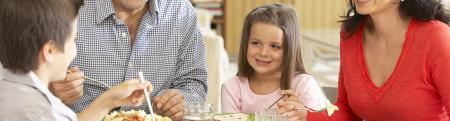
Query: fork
[94,80]
[147,97]
[305,108]
[276,101]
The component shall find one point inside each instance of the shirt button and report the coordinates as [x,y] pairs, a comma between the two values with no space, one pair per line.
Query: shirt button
[124,35]
[130,65]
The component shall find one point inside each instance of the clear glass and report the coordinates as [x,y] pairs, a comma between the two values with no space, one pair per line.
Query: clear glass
[198,111]
[269,115]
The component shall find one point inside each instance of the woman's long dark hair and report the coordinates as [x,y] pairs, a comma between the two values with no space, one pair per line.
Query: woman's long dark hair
[422,10]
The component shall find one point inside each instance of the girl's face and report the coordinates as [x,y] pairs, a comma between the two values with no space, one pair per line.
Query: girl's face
[366,7]
[265,48]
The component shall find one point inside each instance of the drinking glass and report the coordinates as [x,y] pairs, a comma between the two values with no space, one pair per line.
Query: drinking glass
[198,111]
[269,115]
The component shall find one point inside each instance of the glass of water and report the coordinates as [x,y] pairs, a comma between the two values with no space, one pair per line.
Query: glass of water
[269,115]
[198,111]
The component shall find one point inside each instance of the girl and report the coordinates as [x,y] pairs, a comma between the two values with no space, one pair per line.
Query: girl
[270,66]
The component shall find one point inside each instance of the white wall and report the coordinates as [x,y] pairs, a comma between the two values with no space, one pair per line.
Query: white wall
[446,3]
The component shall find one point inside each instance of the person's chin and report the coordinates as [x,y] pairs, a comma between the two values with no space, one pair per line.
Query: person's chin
[363,10]
[263,70]
[135,5]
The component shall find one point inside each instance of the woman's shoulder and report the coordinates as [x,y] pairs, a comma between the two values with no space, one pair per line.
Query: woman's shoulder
[431,29]
[432,24]
[434,34]
[346,37]
[349,43]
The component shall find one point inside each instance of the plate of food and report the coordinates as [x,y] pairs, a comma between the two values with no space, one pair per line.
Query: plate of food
[234,117]
[133,115]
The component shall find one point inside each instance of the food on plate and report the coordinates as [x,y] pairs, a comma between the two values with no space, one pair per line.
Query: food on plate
[133,115]
[234,117]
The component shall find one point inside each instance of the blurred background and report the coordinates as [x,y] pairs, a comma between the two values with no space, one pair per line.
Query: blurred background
[221,24]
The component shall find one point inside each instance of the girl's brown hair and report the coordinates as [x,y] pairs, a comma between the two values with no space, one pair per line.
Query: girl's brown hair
[285,17]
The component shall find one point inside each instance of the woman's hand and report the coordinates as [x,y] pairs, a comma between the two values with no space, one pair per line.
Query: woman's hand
[130,92]
[289,104]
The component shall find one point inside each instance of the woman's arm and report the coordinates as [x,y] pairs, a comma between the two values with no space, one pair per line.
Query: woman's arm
[439,62]
[96,110]
[128,93]
[344,113]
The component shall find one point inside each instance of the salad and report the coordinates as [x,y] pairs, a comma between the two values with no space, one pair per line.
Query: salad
[133,115]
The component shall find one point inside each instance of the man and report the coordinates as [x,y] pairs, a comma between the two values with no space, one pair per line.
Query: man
[119,38]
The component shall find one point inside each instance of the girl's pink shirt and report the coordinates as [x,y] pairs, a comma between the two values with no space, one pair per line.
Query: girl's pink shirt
[237,97]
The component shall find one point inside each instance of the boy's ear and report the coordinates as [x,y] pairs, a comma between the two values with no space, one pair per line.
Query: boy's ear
[48,50]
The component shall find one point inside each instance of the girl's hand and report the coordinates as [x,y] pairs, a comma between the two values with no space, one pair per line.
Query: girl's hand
[289,104]
[130,92]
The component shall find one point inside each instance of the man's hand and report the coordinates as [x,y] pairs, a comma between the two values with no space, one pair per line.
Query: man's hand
[70,89]
[170,104]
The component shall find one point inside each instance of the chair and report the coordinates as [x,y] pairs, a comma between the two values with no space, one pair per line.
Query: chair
[216,58]
[321,58]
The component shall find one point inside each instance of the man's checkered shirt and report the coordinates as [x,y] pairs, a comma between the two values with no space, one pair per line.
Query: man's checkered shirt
[168,49]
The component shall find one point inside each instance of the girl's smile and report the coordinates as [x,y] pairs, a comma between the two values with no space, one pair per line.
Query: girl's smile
[265,48]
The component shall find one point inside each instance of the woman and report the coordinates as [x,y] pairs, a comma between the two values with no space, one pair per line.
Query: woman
[395,62]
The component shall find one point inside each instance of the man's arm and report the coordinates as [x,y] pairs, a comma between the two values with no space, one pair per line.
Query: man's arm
[191,76]
[190,81]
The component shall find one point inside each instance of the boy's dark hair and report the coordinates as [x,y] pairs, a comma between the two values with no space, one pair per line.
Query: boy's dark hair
[26,25]
[284,17]
[422,10]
